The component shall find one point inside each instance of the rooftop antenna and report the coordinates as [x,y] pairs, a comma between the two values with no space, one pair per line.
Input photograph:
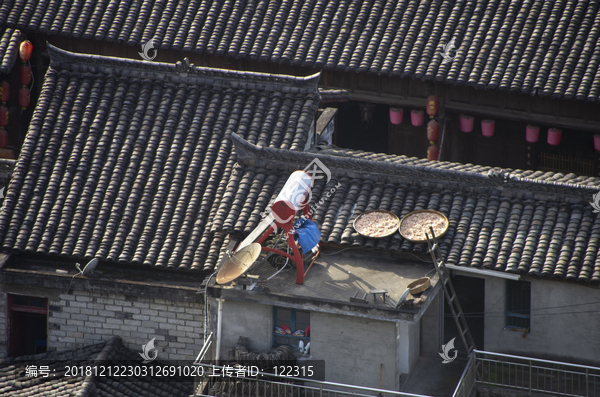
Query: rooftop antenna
[87,269]
[293,198]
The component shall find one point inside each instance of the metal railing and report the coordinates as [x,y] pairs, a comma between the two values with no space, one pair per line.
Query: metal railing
[466,384]
[216,383]
[530,375]
[561,163]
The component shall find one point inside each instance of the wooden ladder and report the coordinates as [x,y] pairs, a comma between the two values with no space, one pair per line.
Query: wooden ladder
[451,298]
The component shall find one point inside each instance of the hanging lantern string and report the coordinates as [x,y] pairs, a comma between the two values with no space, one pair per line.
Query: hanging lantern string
[32,78]
[28,63]
[26,74]
[25,53]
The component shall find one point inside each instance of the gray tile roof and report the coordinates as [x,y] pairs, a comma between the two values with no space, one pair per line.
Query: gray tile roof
[505,220]
[550,48]
[14,382]
[9,48]
[127,160]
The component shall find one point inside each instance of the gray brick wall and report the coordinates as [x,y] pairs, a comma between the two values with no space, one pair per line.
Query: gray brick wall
[81,319]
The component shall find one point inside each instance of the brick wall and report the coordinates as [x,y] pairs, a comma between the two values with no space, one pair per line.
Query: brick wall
[85,318]
[82,319]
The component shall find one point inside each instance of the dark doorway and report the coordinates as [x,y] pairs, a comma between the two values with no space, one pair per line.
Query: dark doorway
[362,126]
[470,292]
[27,325]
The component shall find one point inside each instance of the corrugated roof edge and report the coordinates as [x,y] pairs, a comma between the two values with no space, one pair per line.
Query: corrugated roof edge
[180,72]
[495,179]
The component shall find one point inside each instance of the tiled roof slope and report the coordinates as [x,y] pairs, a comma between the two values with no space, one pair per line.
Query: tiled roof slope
[9,49]
[14,381]
[497,220]
[530,46]
[127,160]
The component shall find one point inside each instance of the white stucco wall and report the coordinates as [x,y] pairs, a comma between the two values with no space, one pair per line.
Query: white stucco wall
[354,349]
[408,347]
[558,331]
[251,320]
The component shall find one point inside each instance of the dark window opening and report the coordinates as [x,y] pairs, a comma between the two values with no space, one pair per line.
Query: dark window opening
[363,126]
[297,321]
[27,325]
[518,304]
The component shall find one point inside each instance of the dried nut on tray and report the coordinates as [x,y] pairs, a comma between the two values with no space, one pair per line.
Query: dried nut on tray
[415,226]
[376,224]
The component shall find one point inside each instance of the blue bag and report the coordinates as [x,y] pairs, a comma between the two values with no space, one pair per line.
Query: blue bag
[308,234]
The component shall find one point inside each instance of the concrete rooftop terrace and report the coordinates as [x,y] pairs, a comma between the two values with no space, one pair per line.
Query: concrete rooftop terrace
[338,275]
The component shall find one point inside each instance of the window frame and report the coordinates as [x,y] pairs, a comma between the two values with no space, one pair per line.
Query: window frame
[514,288]
[12,307]
[293,321]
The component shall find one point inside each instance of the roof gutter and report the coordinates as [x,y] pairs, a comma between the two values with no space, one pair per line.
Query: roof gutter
[483,272]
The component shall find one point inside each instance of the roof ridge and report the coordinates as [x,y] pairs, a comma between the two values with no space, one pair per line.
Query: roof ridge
[180,72]
[108,347]
[88,386]
[252,155]
[509,173]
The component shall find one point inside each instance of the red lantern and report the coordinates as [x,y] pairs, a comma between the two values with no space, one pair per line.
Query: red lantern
[487,128]
[433,153]
[3,138]
[24,97]
[4,91]
[3,116]
[466,123]
[396,115]
[433,130]
[25,75]
[554,135]
[432,105]
[25,50]
[417,117]
[532,133]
